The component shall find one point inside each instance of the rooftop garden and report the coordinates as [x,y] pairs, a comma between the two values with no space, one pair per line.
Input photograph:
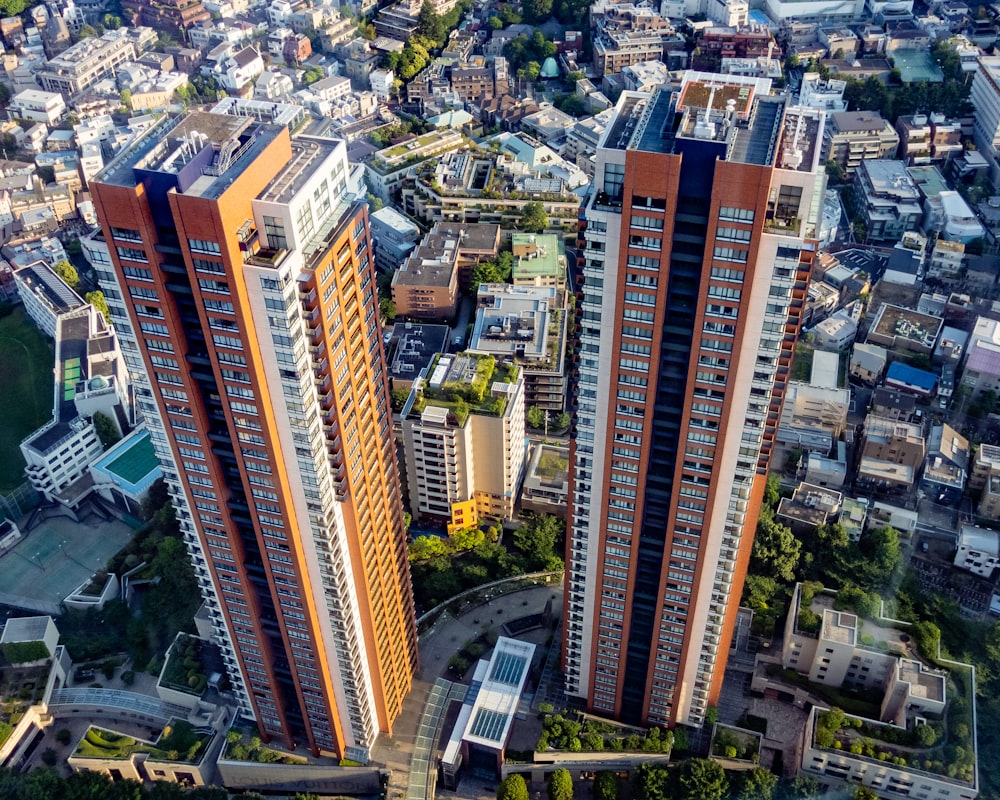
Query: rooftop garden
[733,743]
[586,734]
[180,741]
[551,465]
[22,681]
[929,746]
[240,747]
[464,397]
[184,670]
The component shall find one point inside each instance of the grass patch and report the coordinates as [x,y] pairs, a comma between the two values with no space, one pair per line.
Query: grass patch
[26,362]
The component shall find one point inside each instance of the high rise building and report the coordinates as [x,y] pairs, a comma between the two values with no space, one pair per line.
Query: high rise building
[240,276]
[698,239]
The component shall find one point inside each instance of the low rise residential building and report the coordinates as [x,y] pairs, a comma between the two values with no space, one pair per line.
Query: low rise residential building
[426,285]
[546,481]
[809,507]
[387,168]
[836,333]
[945,466]
[911,380]
[887,199]
[851,138]
[904,330]
[525,326]
[978,550]
[90,378]
[892,453]
[824,95]
[989,500]
[481,186]
[985,463]
[868,362]
[812,417]
[842,649]
[537,261]
[463,439]
[38,106]
[78,68]
[394,237]
[981,372]
[946,260]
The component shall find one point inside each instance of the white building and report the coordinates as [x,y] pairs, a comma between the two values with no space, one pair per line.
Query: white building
[45,296]
[90,378]
[978,550]
[38,106]
[381,82]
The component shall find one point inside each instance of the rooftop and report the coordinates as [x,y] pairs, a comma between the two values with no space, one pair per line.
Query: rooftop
[496,700]
[895,323]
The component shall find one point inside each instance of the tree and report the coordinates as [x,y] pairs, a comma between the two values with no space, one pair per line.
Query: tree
[68,273]
[536,540]
[424,547]
[513,788]
[533,218]
[537,10]
[388,309]
[96,299]
[776,551]
[803,787]
[701,779]
[86,32]
[864,793]
[605,785]
[106,429]
[883,556]
[653,783]
[757,784]
[560,785]
[125,98]
[535,417]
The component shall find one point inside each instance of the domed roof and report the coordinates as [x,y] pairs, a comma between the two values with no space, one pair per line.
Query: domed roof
[98,382]
[549,68]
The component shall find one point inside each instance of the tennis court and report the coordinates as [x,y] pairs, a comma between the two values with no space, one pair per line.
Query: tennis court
[55,558]
[916,66]
[71,376]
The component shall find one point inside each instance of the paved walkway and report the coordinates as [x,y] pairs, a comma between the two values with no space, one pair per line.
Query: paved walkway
[418,725]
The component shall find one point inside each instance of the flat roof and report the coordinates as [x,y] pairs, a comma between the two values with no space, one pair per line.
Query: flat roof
[497,699]
[134,461]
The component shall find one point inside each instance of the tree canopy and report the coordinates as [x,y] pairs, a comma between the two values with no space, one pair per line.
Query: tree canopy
[701,779]
[561,785]
[67,272]
[533,217]
[513,788]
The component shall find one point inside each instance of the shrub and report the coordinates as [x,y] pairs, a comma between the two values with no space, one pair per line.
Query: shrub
[49,757]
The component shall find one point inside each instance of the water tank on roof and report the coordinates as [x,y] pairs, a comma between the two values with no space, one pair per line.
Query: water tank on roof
[98,382]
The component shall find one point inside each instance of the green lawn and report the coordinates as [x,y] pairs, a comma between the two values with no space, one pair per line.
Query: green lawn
[26,362]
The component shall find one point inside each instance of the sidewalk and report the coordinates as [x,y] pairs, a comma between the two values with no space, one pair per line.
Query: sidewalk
[437,646]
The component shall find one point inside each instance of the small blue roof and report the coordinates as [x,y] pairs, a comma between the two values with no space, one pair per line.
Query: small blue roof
[904,373]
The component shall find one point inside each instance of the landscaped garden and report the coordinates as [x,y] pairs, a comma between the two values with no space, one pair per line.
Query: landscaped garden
[241,747]
[577,733]
[184,670]
[180,741]
[922,746]
[735,744]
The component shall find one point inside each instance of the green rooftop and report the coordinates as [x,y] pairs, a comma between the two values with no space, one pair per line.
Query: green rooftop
[536,256]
